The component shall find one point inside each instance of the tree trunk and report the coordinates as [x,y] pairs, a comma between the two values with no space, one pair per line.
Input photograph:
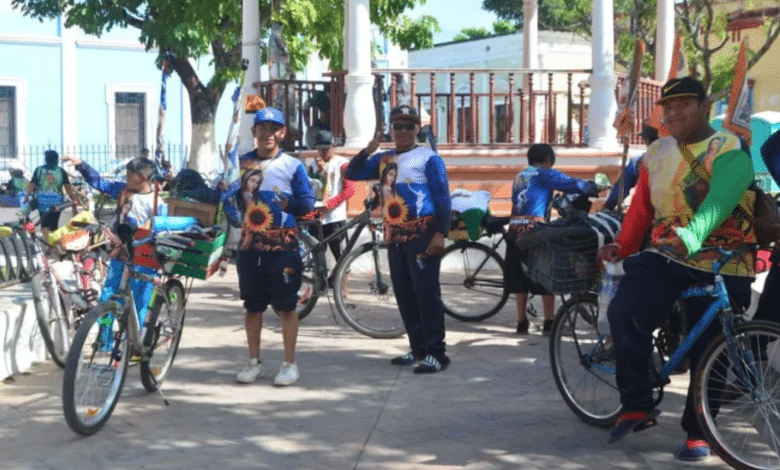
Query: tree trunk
[203,108]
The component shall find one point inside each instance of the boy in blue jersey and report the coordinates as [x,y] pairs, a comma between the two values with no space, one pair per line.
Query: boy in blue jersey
[416,212]
[273,190]
[531,195]
[136,205]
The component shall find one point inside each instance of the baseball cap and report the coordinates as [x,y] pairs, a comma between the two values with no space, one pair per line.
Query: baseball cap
[269,114]
[404,112]
[323,139]
[685,86]
[648,132]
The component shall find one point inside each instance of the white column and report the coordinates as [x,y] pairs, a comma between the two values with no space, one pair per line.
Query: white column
[70,132]
[250,50]
[664,39]
[603,105]
[359,111]
[531,54]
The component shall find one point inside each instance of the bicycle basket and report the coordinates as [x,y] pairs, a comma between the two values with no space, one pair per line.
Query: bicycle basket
[564,265]
[74,241]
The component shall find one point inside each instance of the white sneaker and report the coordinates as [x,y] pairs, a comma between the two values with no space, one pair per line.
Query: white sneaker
[251,372]
[288,374]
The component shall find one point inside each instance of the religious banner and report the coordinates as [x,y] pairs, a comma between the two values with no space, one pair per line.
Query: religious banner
[624,122]
[738,114]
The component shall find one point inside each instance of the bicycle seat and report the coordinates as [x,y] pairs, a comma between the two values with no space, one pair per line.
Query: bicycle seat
[494,225]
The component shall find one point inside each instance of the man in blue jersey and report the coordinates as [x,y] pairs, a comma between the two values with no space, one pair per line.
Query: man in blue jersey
[271,193]
[416,212]
[531,194]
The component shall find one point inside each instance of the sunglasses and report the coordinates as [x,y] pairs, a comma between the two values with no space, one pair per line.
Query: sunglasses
[400,126]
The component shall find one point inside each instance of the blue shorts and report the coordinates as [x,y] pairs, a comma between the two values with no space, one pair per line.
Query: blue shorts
[269,278]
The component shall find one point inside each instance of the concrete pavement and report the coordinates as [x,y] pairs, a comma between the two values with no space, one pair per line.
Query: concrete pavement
[495,407]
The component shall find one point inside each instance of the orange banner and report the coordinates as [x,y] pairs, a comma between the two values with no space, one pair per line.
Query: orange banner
[738,114]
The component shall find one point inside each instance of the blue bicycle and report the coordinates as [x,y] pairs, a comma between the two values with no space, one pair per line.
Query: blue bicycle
[737,382]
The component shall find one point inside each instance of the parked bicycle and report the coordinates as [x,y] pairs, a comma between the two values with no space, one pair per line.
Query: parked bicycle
[737,384]
[361,277]
[472,273]
[111,333]
[66,286]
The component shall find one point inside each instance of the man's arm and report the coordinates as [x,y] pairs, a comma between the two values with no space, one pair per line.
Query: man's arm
[347,190]
[302,200]
[554,179]
[638,219]
[360,167]
[732,173]
[436,174]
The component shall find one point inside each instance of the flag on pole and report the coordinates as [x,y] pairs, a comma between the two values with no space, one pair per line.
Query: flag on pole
[624,122]
[158,153]
[677,69]
[738,114]
[230,159]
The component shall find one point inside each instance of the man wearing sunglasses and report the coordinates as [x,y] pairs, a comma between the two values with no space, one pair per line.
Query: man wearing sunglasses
[416,212]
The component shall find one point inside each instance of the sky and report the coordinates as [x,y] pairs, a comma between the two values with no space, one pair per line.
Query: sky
[454,15]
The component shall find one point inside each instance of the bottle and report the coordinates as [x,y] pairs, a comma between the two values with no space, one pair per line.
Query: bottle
[610,279]
[223,265]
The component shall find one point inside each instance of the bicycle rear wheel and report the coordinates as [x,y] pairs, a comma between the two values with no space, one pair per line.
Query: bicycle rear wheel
[583,363]
[95,370]
[56,328]
[308,292]
[742,420]
[163,333]
[472,281]
[364,293]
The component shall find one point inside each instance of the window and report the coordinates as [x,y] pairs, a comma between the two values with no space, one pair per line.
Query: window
[7,121]
[130,134]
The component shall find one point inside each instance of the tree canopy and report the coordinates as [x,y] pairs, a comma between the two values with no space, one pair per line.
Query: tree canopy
[499,27]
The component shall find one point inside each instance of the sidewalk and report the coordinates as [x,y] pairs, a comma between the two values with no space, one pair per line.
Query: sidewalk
[495,407]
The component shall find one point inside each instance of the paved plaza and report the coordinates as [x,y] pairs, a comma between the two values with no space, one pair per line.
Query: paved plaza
[495,407]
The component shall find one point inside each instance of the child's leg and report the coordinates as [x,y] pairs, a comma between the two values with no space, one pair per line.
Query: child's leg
[142,292]
[113,278]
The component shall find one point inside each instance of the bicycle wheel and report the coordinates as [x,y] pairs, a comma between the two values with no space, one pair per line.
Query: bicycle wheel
[472,281]
[165,322]
[56,328]
[308,293]
[583,363]
[95,370]
[740,420]
[364,293]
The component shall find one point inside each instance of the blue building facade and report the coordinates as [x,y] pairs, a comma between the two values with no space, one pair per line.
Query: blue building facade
[96,97]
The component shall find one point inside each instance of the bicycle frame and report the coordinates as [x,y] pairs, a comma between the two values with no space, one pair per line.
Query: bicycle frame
[124,293]
[360,222]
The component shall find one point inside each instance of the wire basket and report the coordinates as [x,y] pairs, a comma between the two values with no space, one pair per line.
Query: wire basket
[564,265]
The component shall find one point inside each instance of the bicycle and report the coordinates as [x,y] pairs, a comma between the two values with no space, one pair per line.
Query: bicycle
[361,276]
[63,290]
[736,385]
[110,333]
[472,273]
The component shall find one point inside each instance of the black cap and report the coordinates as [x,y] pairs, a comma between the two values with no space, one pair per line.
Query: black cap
[685,86]
[323,139]
[405,112]
[648,132]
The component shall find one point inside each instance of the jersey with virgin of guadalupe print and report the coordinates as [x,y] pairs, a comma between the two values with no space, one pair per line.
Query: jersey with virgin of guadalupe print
[273,194]
[702,208]
[415,195]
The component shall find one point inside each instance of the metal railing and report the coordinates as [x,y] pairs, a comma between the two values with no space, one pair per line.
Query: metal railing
[103,158]
[16,264]
[465,107]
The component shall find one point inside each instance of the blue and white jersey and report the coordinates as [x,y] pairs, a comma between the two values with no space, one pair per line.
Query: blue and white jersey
[414,192]
[270,195]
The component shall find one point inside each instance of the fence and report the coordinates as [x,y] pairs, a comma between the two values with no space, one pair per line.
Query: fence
[16,264]
[107,160]
[465,107]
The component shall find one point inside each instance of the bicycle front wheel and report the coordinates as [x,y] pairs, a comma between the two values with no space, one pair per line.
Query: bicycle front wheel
[308,292]
[738,396]
[95,370]
[364,293]
[163,333]
[472,281]
[583,362]
[56,328]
